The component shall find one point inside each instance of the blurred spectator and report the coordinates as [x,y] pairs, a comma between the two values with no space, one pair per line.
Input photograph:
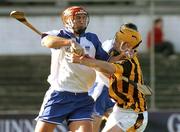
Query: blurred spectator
[162,46]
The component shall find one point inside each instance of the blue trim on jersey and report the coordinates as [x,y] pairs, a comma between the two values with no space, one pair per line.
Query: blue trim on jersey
[100,53]
[65,34]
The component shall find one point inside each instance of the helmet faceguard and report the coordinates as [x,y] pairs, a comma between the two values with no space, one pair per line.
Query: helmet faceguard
[128,35]
[68,16]
[127,39]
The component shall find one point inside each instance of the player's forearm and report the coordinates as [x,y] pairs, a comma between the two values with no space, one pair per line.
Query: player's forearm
[55,42]
[99,65]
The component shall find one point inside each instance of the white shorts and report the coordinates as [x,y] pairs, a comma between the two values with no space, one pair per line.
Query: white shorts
[124,118]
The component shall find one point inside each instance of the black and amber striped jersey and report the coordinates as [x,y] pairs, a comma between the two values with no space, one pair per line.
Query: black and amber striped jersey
[125,94]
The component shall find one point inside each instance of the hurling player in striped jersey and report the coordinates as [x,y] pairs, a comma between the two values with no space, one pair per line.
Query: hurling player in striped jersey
[130,111]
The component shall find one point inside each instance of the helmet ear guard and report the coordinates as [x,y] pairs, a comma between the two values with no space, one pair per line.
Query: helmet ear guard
[128,35]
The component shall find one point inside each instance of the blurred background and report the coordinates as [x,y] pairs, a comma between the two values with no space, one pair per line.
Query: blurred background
[24,63]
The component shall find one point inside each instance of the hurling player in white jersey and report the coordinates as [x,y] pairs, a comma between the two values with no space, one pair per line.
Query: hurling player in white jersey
[67,98]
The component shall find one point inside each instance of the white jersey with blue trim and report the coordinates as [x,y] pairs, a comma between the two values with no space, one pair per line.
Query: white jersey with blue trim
[67,76]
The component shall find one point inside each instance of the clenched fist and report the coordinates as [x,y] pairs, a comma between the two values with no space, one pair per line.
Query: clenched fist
[76,48]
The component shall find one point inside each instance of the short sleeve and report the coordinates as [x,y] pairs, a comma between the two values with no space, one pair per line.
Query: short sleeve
[107,45]
[119,69]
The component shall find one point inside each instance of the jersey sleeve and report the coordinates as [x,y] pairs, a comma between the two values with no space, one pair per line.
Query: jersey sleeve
[53,33]
[122,67]
[107,45]
[119,69]
[100,52]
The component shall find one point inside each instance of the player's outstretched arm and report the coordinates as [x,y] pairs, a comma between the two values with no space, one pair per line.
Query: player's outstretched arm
[58,42]
[99,65]
[55,42]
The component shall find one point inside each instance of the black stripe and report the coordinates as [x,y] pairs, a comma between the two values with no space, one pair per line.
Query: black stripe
[135,71]
[145,105]
[115,90]
[127,66]
[135,95]
[44,35]
[137,45]
[142,81]
[139,121]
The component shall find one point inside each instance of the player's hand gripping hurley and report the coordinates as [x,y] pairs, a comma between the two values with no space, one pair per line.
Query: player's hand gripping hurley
[20,16]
